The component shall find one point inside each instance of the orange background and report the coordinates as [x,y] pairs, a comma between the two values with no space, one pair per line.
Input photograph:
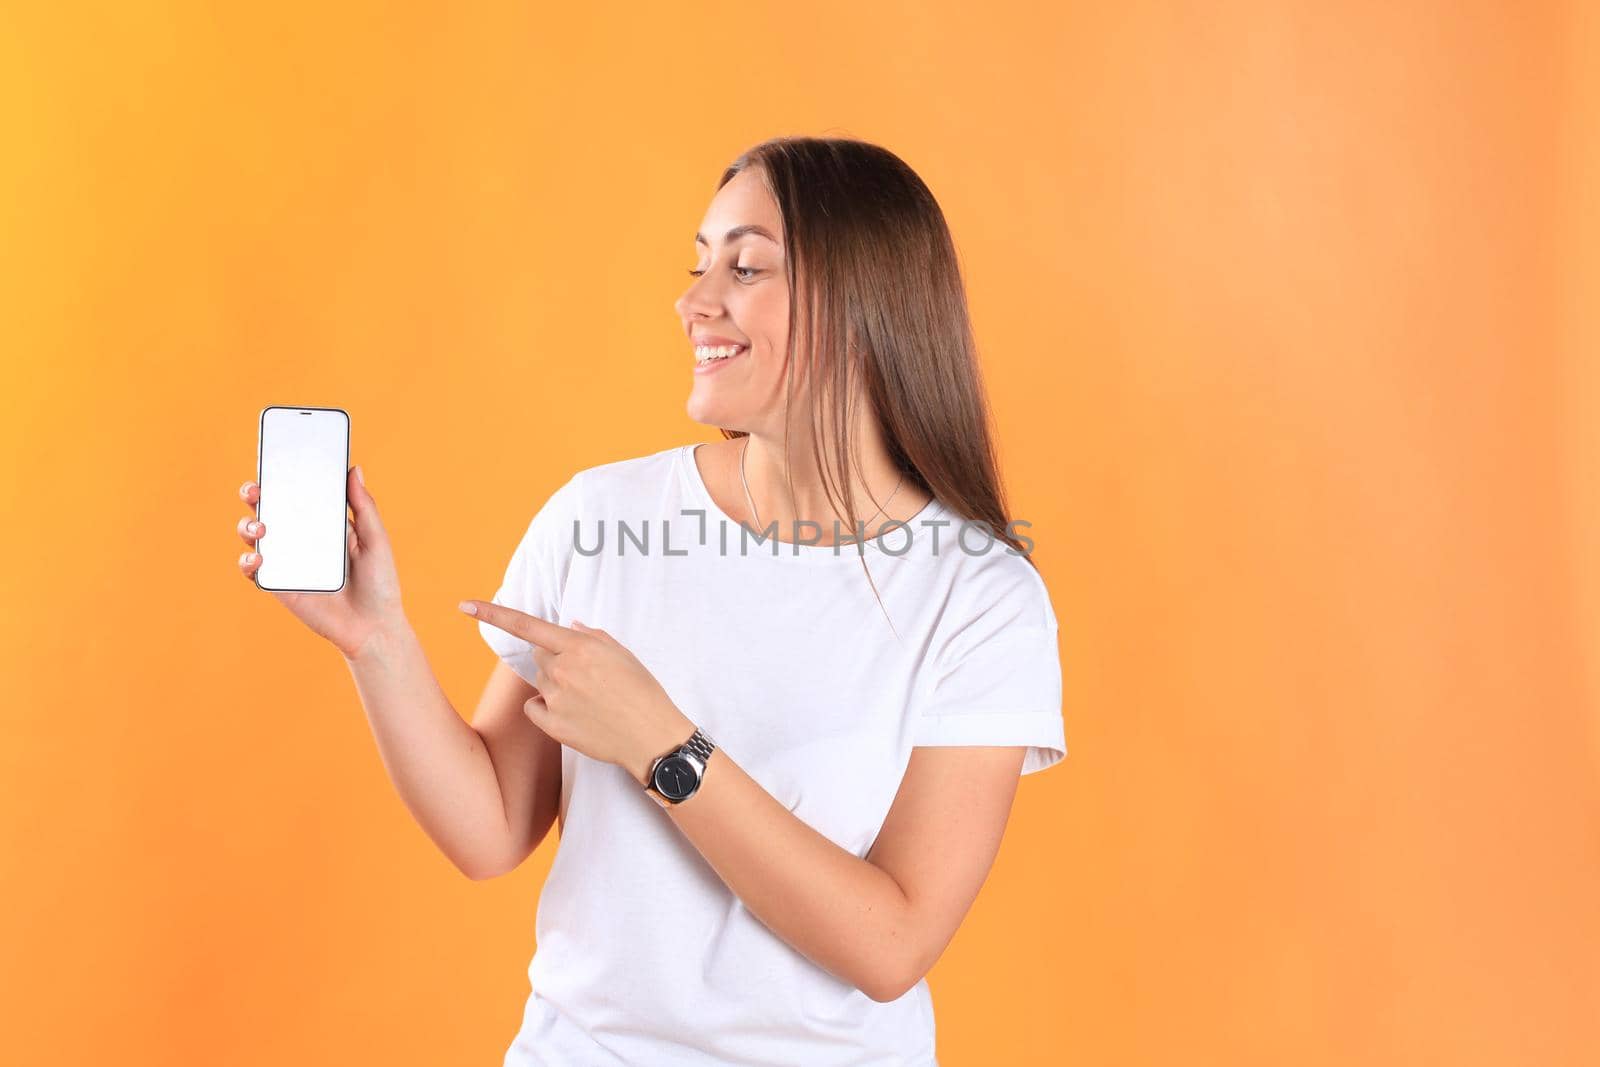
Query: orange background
[1287,312]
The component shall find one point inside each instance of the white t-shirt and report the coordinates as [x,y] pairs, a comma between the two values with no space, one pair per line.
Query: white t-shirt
[782,656]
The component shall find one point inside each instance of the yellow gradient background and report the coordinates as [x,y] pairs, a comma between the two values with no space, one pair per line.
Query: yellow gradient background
[1288,316]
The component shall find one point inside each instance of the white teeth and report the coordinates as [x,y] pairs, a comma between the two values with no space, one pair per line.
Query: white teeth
[707,352]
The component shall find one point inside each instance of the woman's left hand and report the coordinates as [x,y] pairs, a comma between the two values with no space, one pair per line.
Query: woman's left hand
[593,694]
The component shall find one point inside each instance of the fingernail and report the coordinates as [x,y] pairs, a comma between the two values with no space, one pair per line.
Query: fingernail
[470,609]
[360,479]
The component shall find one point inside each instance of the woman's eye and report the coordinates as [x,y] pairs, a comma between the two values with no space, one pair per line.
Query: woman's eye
[749,271]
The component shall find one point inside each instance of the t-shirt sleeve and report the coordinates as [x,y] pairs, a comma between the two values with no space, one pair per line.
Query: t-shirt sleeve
[998,682]
[536,575]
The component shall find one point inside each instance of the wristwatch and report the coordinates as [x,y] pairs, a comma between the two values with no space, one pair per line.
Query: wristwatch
[675,776]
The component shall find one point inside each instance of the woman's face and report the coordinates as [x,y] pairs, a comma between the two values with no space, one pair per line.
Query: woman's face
[740,296]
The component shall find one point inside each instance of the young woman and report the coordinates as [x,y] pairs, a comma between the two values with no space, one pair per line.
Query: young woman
[778,688]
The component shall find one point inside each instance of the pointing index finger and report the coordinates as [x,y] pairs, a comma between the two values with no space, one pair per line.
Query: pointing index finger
[530,628]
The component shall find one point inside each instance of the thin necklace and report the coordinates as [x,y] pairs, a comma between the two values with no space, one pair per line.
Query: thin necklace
[757,515]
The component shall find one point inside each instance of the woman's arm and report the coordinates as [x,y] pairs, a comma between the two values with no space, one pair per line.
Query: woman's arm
[440,765]
[878,923]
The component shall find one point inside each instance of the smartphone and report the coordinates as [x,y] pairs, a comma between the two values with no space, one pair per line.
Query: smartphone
[302,463]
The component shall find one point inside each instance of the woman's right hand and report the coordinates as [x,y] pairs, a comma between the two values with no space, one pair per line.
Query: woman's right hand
[370,600]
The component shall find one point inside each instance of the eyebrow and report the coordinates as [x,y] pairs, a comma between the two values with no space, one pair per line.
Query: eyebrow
[738,232]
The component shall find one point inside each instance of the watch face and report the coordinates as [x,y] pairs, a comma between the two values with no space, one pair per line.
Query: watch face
[675,777]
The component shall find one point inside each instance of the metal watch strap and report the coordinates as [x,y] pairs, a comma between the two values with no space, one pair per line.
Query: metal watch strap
[700,745]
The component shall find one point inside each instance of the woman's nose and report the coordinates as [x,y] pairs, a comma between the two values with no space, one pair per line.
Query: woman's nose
[695,301]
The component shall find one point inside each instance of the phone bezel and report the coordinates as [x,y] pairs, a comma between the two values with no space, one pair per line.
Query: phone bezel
[261,434]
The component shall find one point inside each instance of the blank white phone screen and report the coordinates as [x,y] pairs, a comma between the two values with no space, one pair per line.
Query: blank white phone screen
[301,463]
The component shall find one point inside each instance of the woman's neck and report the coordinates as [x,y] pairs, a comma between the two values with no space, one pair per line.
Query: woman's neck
[877,484]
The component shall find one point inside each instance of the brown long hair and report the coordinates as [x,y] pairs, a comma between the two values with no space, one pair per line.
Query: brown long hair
[883,313]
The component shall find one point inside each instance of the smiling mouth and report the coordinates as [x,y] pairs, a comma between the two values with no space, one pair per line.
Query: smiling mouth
[708,354]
